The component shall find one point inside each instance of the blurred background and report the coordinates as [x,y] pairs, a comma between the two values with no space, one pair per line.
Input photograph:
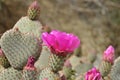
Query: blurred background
[96,22]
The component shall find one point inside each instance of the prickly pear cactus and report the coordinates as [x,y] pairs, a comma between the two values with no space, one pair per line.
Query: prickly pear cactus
[43,59]
[26,25]
[29,71]
[68,71]
[34,11]
[29,75]
[18,47]
[10,74]
[92,57]
[115,71]
[105,68]
[56,62]
[30,23]
[74,60]
[47,73]
[83,67]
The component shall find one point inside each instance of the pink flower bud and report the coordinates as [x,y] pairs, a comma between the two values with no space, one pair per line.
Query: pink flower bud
[109,54]
[30,63]
[60,43]
[34,5]
[93,74]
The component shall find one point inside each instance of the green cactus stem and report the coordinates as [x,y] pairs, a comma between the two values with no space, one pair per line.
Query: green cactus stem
[105,68]
[56,62]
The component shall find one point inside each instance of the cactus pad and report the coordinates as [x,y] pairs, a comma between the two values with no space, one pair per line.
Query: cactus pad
[29,75]
[26,25]
[34,11]
[83,67]
[115,71]
[105,68]
[43,59]
[18,47]
[69,73]
[47,73]
[10,74]
[56,62]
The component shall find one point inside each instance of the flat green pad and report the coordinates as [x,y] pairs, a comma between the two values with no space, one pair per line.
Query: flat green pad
[42,62]
[18,47]
[47,73]
[26,25]
[115,71]
[10,74]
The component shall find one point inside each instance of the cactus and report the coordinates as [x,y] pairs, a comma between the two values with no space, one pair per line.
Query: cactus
[115,71]
[43,59]
[83,67]
[68,71]
[47,73]
[30,23]
[56,62]
[3,60]
[105,68]
[18,47]
[10,74]
[25,25]
[29,72]
[108,59]
[74,60]
[33,11]
[24,55]
[92,57]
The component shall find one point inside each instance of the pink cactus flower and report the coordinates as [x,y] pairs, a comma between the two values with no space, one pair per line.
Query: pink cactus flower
[60,43]
[93,74]
[109,54]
